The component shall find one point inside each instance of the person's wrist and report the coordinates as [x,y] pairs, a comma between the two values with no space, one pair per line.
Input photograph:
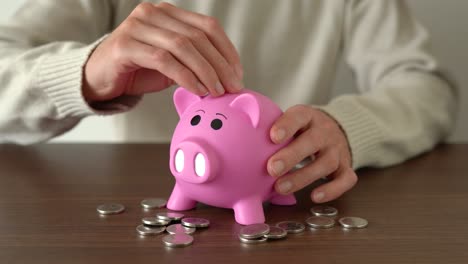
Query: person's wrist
[87,92]
[92,91]
[343,136]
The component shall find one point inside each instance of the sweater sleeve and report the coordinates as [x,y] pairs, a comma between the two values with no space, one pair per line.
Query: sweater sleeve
[43,49]
[405,105]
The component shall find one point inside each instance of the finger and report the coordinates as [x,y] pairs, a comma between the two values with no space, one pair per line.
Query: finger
[160,60]
[182,49]
[148,81]
[326,163]
[294,119]
[212,29]
[306,145]
[344,180]
[229,80]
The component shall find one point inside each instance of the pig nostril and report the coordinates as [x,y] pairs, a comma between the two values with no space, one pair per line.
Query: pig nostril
[200,165]
[179,161]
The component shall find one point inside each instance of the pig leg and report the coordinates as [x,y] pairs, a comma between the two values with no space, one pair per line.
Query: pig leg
[249,211]
[179,202]
[280,199]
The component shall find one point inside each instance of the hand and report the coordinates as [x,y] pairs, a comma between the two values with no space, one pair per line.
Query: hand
[158,45]
[317,136]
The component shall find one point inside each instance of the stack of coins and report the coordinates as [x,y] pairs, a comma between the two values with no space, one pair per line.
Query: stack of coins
[261,233]
[254,234]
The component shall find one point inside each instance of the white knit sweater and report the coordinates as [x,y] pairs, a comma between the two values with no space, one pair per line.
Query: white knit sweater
[289,50]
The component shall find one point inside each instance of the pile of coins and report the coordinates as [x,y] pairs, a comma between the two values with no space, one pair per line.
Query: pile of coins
[179,233]
[181,228]
[322,218]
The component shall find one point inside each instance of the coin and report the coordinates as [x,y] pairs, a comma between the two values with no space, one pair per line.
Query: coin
[195,222]
[152,203]
[110,208]
[254,231]
[320,222]
[177,240]
[180,229]
[276,233]
[253,240]
[149,231]
[154,221]
[324,210]
[170,216]
[291,227]
[353,222]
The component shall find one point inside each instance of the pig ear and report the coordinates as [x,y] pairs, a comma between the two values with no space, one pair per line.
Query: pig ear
[183,99]
[248,104]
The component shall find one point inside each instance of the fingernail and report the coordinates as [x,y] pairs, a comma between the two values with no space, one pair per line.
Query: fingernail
[280,134]
[202,88]
[319,196]
[238,86]
[284,186]
[219,88]
[278,167]
[239,72]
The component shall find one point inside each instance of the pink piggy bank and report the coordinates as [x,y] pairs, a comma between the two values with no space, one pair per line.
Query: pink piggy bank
[219,154]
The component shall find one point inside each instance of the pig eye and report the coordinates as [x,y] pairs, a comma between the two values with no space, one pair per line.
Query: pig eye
[216,124]
[195,120]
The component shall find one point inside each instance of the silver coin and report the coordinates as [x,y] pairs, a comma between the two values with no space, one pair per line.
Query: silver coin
[324,210]
[320,222]
[170,216]
[254,231]
[154,221]
[252,240]
[276,233]
[353,222]
[291,227]
[110,208]
[152,203]
[149,231]
[195,222]
[177,240]
[180,229]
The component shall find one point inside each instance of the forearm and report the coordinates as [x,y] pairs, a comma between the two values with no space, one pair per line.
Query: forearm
[40,91]
[406,106]
[43,50]
[407,115]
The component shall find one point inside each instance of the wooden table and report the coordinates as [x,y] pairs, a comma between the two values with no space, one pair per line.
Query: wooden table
[418,211]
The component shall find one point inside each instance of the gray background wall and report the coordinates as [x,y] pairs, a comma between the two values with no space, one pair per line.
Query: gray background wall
[447,21]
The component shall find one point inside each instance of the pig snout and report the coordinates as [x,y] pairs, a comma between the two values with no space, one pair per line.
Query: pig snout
[194,161]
